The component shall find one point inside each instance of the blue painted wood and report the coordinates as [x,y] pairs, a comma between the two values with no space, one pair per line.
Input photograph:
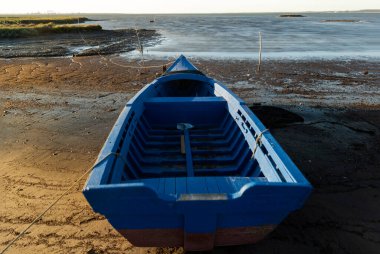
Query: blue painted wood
[181,64]
[143,181]
[189,157]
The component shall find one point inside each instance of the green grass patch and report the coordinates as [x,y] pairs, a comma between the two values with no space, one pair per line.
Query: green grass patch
[17,27]
[25,20]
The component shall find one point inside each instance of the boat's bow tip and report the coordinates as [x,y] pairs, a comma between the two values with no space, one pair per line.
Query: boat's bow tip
[181,64]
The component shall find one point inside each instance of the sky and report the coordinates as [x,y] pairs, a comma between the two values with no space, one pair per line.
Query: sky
[184,6]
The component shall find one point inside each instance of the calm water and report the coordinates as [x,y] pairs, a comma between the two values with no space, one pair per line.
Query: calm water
[236,35]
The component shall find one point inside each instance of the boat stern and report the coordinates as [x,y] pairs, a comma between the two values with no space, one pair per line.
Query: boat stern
[243,213]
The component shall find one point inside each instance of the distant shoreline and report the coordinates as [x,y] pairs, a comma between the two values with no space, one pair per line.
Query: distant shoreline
[52,36]
[234,36]
[34,26]
[202,13]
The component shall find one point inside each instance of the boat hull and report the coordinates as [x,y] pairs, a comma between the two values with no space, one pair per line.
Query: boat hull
[196,222]
[196,241]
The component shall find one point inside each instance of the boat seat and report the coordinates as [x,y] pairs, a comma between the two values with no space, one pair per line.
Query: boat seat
[198,111]
[184,100]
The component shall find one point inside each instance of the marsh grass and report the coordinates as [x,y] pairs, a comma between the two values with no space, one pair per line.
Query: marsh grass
[17,27]
[25,20]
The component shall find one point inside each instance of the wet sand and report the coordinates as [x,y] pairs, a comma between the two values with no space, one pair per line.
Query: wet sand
[55,114]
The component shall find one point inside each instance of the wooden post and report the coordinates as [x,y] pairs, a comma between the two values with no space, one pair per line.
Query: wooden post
[260,49]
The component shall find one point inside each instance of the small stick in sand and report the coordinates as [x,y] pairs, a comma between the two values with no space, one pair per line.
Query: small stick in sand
[260,49]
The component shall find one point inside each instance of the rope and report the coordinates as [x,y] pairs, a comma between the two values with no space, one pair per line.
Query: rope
[258,142]
[56,201]
[140,67]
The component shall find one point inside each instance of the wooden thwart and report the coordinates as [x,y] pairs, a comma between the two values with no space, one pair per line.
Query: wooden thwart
[183,148]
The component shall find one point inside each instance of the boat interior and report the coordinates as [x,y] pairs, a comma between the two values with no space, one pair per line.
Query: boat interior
[184,131]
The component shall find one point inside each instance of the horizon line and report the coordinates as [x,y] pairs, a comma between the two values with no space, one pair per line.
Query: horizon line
[187,13]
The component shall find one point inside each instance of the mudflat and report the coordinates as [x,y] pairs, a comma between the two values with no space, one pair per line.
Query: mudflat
[57,112]
[87,43]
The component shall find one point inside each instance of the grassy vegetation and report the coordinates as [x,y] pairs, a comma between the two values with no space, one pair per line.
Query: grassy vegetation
[16,27]
[25,20]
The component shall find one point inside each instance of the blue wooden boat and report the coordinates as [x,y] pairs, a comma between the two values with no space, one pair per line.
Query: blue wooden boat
[188,164]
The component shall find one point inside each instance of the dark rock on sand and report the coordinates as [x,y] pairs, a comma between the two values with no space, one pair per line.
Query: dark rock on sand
[291,16]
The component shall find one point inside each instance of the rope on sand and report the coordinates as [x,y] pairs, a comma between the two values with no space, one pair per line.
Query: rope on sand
[56,201]
[140,67]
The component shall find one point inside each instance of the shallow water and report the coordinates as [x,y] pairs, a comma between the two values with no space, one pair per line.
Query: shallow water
[236,35]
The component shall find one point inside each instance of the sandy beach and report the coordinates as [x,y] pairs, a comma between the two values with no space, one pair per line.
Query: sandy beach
[55,114]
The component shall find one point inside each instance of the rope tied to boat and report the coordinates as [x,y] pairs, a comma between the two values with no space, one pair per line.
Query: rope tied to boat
[258,142]
[58,199]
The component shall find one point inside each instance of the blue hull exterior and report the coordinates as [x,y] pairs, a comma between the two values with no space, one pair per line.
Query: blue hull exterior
[221,180]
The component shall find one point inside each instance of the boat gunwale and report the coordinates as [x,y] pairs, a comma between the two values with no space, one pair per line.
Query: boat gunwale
[139,184]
